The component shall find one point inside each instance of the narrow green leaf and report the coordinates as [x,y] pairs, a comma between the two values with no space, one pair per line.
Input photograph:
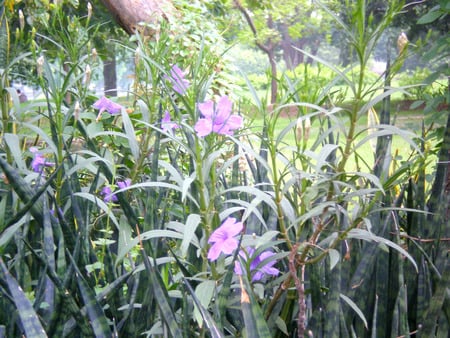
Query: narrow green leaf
[97,318]
[192,223]
[255,323]
[30,321]
[202,297]
[368,236]
[131,134]
[355,308]
[162,298]
[23,190]
[431,16]
[100,203]
[13,143]
[335,256]
[434,311]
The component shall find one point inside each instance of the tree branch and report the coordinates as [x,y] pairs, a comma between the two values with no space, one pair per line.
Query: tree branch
[250,23]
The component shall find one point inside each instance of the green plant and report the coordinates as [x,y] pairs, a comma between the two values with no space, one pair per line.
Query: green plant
[166,215]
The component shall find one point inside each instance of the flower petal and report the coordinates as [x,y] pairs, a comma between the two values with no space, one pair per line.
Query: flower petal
[229,245]
[218,236]
[203,127]
[231,227]
[106,104]
[214,251]
[223,109]
[207,109]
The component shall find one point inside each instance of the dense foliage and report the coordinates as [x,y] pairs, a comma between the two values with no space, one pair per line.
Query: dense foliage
[181,212]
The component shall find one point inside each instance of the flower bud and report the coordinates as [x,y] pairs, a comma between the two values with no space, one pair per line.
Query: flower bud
[94,54]
[137,56]
[89,10]
[307,129]
[40,65]
[299,129]
[21,20]
[87,74]
[402,42]
[76,111]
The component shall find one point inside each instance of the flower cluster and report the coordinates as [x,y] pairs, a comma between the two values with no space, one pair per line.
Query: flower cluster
[217,118]
[224,240]
[176,78]
[105,104]
[167,124]
[107,192]
[255,265]
[39,161]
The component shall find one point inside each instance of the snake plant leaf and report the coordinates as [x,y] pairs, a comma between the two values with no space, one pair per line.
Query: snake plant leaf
[255,323]
[97,317]
[160,292]
[4,40]
[30,321]
[24,191]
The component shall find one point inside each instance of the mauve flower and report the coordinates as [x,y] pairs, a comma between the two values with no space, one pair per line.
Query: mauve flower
[258,272]
[223,238]
[167,124]
[124,184]
[39,161]
[176,78]
[108,195]
[105,104]
[217,118]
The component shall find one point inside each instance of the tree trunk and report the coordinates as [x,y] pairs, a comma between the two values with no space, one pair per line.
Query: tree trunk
[129,13]
[291,56]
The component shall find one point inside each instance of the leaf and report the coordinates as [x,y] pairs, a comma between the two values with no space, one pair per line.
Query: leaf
[97,317]
[258,193]
[162,298]
[30,321]
[355,308]
[335,256]
[97,201]
[431,16]
[192,223]
[25,193]
[145,236]
[12,141]
[200,306]
[368,236]
[255,323]
[131,134]
[203,294]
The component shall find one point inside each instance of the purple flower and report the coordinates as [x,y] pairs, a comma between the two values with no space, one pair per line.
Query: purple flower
[124,184]
[39,161]
[223,238]
[167,124]
[105,104]
[217,118]
[257,270]
[108,195]
[176,78]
